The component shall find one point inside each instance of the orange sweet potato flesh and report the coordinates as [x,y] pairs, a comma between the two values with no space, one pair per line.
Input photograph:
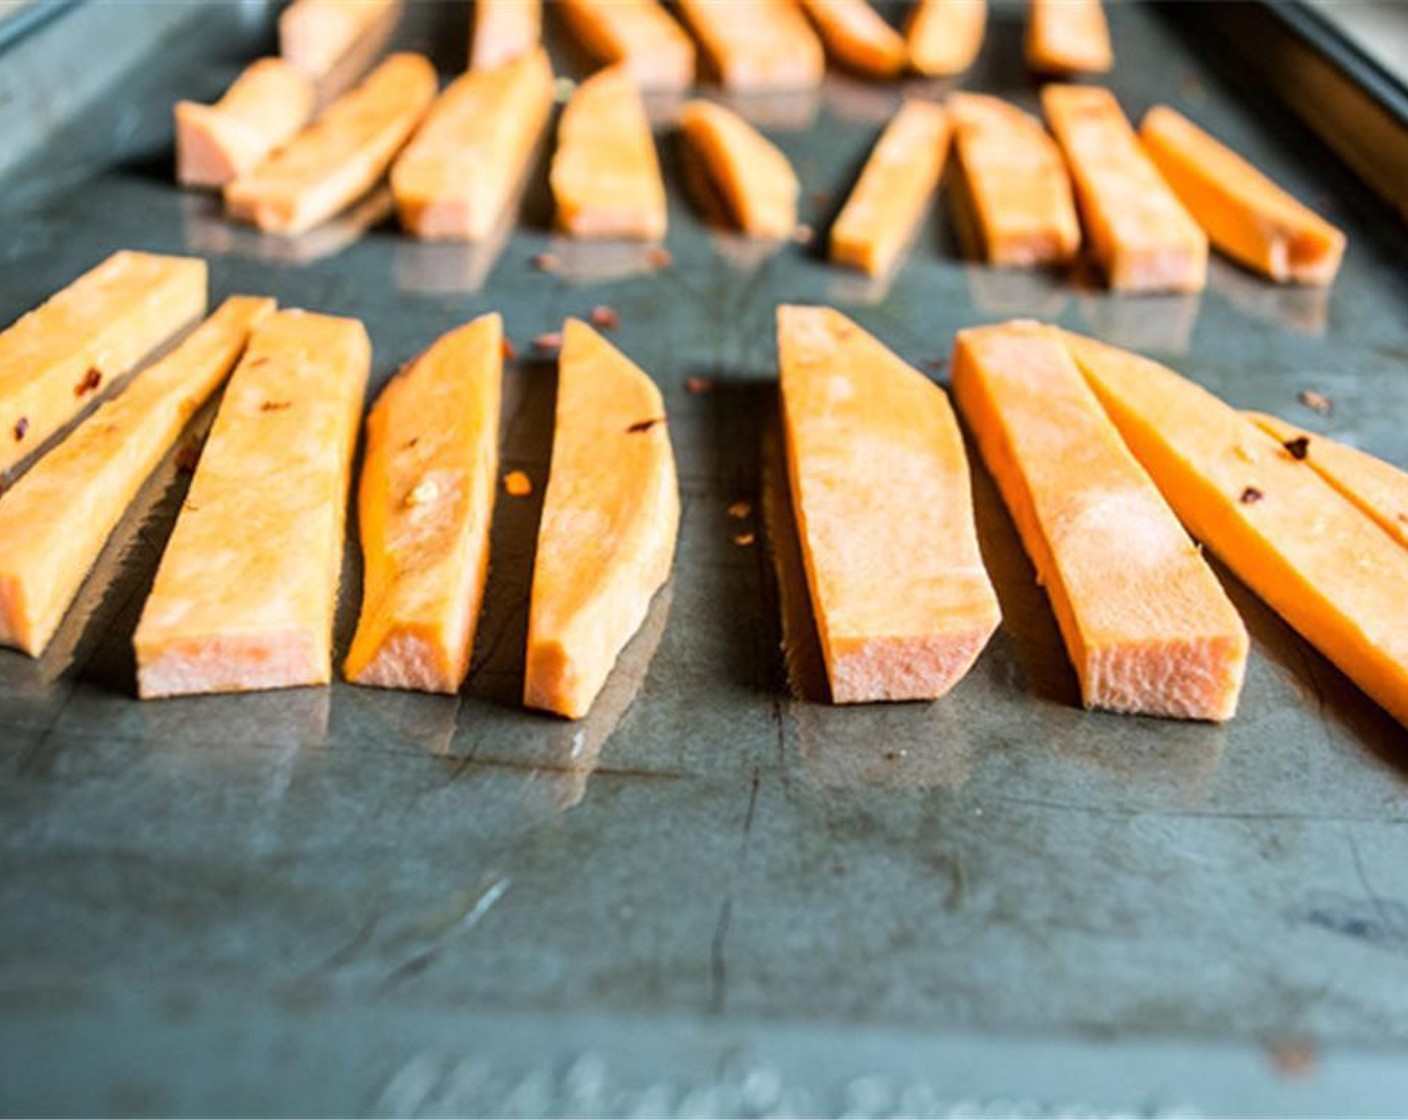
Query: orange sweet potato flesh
[884,511]
[262,110]
[1140,233]
[1378,489]
[503,31]
[1329,571]
[1244,213]
[341,155]
[858,37]
[58,357]
[1014,182]
[426,501]
[315,35]
[638,34]
[888,201]
[605,173]
[245,593]
[1148,627]
[610,517]
[455,179]
[944,36]
[757,46]
[1068,37]
[55,520]
[749,176]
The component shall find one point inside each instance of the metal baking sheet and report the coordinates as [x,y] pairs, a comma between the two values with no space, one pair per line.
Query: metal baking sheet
[706,897]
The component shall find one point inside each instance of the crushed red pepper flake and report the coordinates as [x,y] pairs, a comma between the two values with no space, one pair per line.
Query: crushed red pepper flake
[699,384]
[743,540]
[510,351]
[548,340]
[188,456]
[645,425]
[21,427]
[1297,448]
[1316,402]
[604,318]
[1251,495]
[410,443]
[740,510]
[275,406]
[660,257]
[517,484]
[91,380]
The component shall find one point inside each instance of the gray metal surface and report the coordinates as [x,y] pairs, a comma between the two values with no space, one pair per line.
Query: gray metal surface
[706,897]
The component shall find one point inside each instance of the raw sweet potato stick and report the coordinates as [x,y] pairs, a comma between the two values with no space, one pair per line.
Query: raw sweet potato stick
[758,45]
[858,37]
[64,353]
[1243,212]
[747,175]
[1323,566]
[1015,193]
[610,517]
[503,31]
[639,35]
[1148,627]
[605,174]
[262,109]
[456,178]
[1140,233]
[244,595]
[425,504]
[944,36]
[54,521]
[884,511]
[1377,488]
[899,179]
[1068,37]
[315,35]
[341,155]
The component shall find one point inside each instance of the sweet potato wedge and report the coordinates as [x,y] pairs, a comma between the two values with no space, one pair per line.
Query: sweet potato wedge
[605,173]
[884,510]
[1243,212]
[637,34]
[54,521]
[456,178]
[503,31]
[262,110]
[1016,201]
[1377,488]
[610,517]
[857,37]
[745,174]
[888,201]
[945,36]
[70,349]
[1140,233]
[758,46]
[1329,571]
[315,35]
[1068,37]
[341,155]
[425,504]
[245,592]
[1148,627]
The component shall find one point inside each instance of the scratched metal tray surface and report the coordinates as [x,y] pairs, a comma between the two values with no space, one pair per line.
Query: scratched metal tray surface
[706,898]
